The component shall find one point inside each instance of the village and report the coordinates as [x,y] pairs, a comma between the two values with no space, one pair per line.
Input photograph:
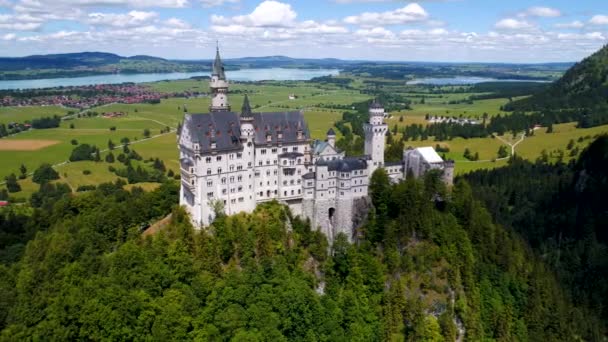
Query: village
[84,97]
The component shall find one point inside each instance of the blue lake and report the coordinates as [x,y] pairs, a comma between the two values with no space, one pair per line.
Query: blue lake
[277,74]
[461,80]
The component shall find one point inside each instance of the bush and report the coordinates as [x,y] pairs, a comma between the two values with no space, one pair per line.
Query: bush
[11,183]
[86,188]
[113,128]
[110,157]
[44,174]
[74,142]
[83,152]
[86,172]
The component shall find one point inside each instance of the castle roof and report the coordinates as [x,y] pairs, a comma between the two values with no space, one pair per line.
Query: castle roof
[218,66]
[331,132]
[286,123]
[429,154]
[375,104]
[221,127]
[246,109]
[347,164]
[224,128]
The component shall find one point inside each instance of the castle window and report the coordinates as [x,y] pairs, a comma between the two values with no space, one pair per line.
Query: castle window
[192,182]
[240,189]
[261,193]
[210,194]
[284,149]
[231,156]
[241,199]
[299,191]
[208,160]
[191,170]
[260,163]
[284,193]
[239,155]
[295,149]
[268,162]
[239,167]
[232,179]
[275,162]
[257,173]
[233,201]
[239,178]
[219,158]
[285,182]
[224,191]
[276,172]
[263,151]
[219,170]
[231,167]
[292,192]
[223,180]
[210,183]
[274,150]
[276,192]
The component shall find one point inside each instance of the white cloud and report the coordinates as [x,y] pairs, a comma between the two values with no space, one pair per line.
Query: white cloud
[539,11]
[8,36]
[376,32]
[131,19]
[214,3]
[408,14]
[177,23]
[19,22]
[571,25]
[269,13]
[599,20]
[513,24]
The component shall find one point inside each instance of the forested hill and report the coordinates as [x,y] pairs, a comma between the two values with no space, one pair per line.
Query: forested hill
[584,85]
[562,212]
[427,266]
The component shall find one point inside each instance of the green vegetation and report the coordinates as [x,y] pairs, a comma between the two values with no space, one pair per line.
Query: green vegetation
[560,210]
[424,268]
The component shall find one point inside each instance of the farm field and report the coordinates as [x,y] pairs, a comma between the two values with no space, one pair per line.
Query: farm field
[313,99]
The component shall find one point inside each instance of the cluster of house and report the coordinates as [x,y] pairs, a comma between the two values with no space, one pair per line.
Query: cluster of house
[110,115]
[82,97]
[452,119]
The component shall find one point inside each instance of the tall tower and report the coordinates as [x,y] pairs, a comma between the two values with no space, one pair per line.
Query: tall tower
[375,131]
[218,86]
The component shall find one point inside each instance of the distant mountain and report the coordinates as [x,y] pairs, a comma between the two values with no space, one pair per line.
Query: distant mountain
[583,86]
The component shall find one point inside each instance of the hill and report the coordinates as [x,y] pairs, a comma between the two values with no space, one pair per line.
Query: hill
[583,86]
[425,267]
[560,210]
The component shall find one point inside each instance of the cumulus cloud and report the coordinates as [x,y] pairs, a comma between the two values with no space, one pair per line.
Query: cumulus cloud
[513,24]
[8,36]
[539,11]
[131,19]
[177,23]
[269,13]
[571,25]
[408,14]
[214,3]
[20,22]
[599,20]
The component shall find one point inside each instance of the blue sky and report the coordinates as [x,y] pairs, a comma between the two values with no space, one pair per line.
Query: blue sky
[429,30]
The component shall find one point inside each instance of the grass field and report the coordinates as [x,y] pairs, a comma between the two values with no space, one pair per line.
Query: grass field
[264,97]
[22,114]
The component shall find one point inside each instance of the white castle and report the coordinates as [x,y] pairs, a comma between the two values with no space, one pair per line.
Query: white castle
[233,161]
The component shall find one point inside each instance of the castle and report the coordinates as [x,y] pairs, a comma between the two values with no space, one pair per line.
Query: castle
[232,161]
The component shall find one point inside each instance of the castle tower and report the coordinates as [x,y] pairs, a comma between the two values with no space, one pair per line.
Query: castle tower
[375,132]
[247,129]
[331,137]
[218,86]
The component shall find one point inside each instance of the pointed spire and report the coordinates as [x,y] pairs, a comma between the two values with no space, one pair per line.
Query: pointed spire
[246,109]
[218,66]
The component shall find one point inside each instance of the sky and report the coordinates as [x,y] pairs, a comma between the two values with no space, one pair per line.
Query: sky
[520,31]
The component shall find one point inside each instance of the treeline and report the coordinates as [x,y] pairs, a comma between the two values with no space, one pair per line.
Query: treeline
[39,123]
[560,210]
[424,267]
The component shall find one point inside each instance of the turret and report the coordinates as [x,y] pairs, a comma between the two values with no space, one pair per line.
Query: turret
[247,129]
[331,137]
[218,86]
[375,132]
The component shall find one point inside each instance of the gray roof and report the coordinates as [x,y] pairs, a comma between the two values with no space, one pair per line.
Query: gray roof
[309,175]
[397,163]
[218,66]
[286,123]
[344,165]
[375,104]
[331,132]
[291,155]
[246,109]
[318,146]
[223,127]
[186,162]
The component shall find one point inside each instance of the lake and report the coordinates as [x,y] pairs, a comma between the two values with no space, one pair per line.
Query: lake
[277,74]
[461,80]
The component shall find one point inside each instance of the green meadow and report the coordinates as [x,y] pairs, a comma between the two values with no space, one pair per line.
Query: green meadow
[312,98]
